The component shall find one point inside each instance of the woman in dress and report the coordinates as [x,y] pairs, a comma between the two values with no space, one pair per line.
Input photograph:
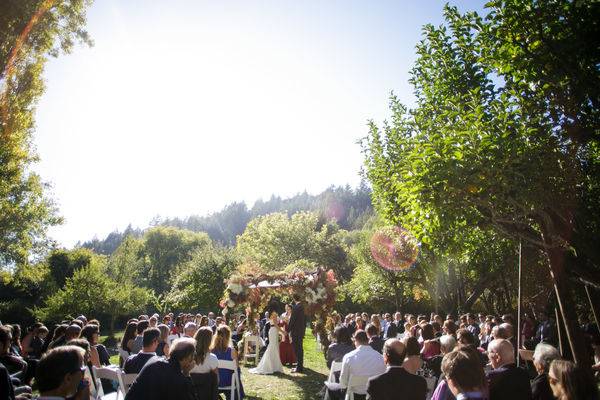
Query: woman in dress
[222,348]
[162,350]
[286,350]
[270,361]
[205,374]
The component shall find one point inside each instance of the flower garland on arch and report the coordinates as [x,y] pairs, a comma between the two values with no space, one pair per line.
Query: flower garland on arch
[253,291]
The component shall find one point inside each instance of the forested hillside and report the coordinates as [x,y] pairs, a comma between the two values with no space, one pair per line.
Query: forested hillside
[350,208]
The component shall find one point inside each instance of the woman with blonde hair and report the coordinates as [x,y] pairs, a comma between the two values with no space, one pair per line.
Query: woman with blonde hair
[222,348]
[163,345]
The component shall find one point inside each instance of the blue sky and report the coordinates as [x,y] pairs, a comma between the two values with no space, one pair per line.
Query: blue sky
[182,107]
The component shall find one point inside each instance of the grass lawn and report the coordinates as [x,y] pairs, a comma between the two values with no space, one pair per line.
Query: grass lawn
[285,386]
[288,386]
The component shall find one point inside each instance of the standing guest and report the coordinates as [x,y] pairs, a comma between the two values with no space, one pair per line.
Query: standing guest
[399,322]
[205,374]
[485,337]
[546,330]
[342,345]
[385,320]
[60,374]
[136,362]
[286,350]
[162,350]
[464,375]
[506,380]
[396,383]
[449,328]
[297,329]
[570,382]
[375,340]
[391,330]
[262,324]
[431,346]
[543,355]
[167,380]
[364,361]
[473,326]
[153,321]
[211,319]
[412,361]
[221,347]
[189,330]
[138,342]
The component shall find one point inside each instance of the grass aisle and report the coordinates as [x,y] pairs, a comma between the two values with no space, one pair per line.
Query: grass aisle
[288,386]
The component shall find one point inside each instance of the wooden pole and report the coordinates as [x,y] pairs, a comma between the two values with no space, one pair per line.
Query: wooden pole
[558,330]
[587,291]
[519,308]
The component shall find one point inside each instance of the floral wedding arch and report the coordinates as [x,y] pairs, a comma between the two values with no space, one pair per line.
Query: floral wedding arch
[252,293]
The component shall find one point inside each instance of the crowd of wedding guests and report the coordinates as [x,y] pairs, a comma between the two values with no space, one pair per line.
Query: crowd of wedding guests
[175,357]
[472,357]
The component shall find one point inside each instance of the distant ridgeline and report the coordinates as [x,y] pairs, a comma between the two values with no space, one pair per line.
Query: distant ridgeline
[350,208]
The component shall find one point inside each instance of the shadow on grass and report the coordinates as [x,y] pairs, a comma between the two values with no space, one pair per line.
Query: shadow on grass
[310,382]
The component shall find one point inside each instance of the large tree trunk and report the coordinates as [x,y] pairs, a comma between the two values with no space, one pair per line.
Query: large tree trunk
[556,260]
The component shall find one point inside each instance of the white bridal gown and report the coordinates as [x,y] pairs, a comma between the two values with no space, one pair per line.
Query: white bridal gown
[270,361]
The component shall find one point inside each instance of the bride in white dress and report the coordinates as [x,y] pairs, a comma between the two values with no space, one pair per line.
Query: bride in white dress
[270,361]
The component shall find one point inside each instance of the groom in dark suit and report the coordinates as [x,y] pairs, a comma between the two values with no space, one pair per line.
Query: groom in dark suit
[297,326]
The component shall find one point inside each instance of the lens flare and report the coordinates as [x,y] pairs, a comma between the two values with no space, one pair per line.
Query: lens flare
[394,248]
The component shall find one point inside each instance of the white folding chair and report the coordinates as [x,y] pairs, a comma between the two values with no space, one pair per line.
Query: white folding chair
[336,366]
[251,348]
[356,383]
[126,381]
[112,373]
[235,383]
[124,354]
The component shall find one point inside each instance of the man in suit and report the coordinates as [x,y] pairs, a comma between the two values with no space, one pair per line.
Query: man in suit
[375,340]
[396,383]
[135,363]
[167,380]
[506,380]
[297,326]
[391,330]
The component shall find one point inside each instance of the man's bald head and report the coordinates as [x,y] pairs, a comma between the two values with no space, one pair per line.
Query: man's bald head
[393,352]
[501,352]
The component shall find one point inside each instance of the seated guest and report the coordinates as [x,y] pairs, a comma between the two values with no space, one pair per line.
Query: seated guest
[412,361]
[167,380]
[100,348]
[396,383]
[375,340]
[464,374]
[138,342]
[13,363]
[90,333]
[431,346]
[163,345]
[570,382]
[506,381]
[129,336]
[60,374]
[71,332]
[27,340]
[136,362]
[342,345]
[221,347]
[205,374]
[466,338]
[543,355]
[363,361]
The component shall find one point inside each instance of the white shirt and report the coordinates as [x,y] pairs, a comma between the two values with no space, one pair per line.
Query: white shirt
[364,361]
[210,362]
